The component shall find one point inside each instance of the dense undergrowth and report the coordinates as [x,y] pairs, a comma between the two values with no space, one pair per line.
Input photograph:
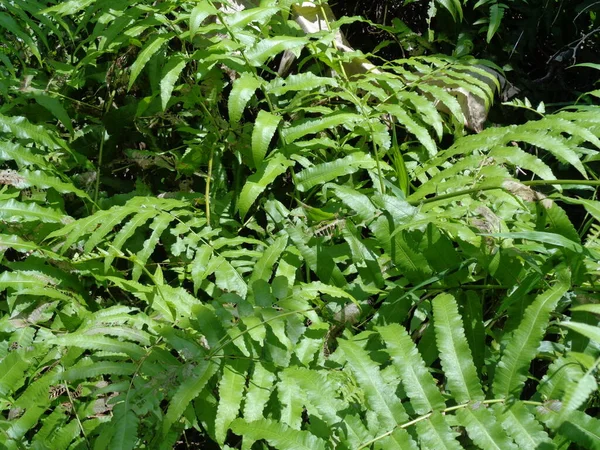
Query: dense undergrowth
[199,251]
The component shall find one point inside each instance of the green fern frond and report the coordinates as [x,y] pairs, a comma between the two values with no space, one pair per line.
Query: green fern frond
[277,434]
[522,347]
[455,355]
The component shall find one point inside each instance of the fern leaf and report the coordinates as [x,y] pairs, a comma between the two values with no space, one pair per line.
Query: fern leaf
[11,151]
[8,23]
[435,433]
[454,8]
[299,82]
[328,171]
[21,280]
[455,355]
[188,391]
[125,233]
[319,392]
[42,180]
[496,14]
[313,126]
[523,160]
[447,99]
[231,392]
[153,46]
[264,266]
[292,401]
[16,243]
[228,278]
[380,396]
[242,18]
[169,77]
[262,133]
[579,428]
[55,107]
[277,434]
[269,170]
[69,7]
[199,13]
[15,211]
[243,89]
[577,393]
[418,382]
[483,428]
[522,426]
[426,109]
[259,390]
[511,371]
[12,373]
[555,145]
[158,226]
[590,331]
[21,128]
[125,430]
[270,47]
[558,377]
[94,369]
[102,343]
[411,125]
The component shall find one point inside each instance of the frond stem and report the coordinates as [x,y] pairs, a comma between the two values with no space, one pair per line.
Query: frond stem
[443,411]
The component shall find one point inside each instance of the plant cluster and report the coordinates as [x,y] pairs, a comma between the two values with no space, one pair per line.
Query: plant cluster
[198,250]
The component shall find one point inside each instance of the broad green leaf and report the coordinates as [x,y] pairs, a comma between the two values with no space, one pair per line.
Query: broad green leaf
[56,108]
[21,128]
[101,343]
[14,211]
[170,75]
[496,14]
[435,433]
[523,160]
[483,429]
[202,372]
[12,373]
[411,125]
[15,242]
[242,91]
[264,128]
[158,226]
[228,278]
[270,47]
[522,426]
[513,367]
[99,368]
[313,126]
[418,382]
[69,7]
[306,81]
[380,396]
[200,12]
[242,18]
[259,390]
[328,171]
[540,236]
[153,46]
[264,266]
[42,180]
[126,424]
[580,428]
[8,23]
[455,355]
[454,8]
[277,434]
[589,331]
[269,170]
[231,393]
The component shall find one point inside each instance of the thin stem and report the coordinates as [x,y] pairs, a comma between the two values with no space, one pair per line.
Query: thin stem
[207,190]
[438,198]
[443,411]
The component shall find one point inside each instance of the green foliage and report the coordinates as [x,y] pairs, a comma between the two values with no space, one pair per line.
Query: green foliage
[194,246]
